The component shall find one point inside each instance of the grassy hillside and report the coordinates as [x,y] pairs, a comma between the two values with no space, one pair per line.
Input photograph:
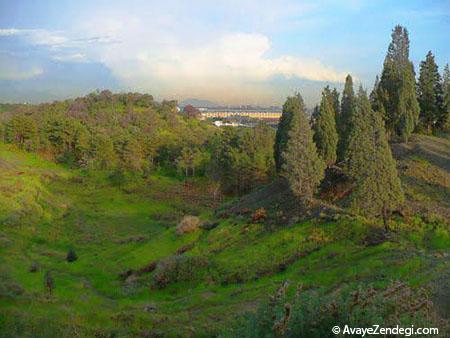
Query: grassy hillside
[136,275]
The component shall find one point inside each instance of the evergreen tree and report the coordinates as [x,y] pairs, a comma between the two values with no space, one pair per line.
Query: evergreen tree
[370,165]
[430,94]
[397,88]
[376,98]
[71,256]
[325,134]
[444,119]
[302,167]
[293,104]
[335,99]
[22,130]
[345,117]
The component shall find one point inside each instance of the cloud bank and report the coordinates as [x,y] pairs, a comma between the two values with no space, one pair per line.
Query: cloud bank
[172,55]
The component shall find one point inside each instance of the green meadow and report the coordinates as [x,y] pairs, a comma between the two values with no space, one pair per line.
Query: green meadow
[205,280]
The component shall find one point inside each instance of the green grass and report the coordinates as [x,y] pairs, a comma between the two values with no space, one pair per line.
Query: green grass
[46,209]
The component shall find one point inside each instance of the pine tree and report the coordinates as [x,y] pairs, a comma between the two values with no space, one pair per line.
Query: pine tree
[376,98]
[370,165]
[335,97]
[302,167]
[325,134]
[397,88]
[71,256]
[345,117]
[291,105]
[444,119]
[430,94]
[22,130]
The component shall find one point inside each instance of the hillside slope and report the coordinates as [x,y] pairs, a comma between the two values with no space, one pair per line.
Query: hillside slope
[135,275]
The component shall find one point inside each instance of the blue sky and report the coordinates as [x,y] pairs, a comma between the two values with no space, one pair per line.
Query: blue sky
[225,51]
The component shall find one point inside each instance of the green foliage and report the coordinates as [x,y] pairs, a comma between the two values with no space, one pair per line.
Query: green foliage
[179,268]
[22,130]
[290,107]
[336,102]
[102,154]
[302,166]
[312,314]
[325,134]
[189,160]
[430,95]
[344,119]
[370,164]
[134,227]
[71,256]
[104,131]
[444,119]
[242,158]
[132,135]
[396,91]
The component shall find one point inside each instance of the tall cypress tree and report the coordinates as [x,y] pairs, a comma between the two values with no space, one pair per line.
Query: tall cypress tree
[302,166]
[430,94]
[398,89]
[292,105]
[345,117]
[370,165]
[335,98]
[444,119]
[325,134]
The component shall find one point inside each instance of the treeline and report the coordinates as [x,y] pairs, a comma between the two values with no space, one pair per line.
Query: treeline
[132,135]
[351,134]
[405,105]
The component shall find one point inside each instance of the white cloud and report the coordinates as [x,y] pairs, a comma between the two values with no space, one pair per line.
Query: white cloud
[37,36]
[71,57]
[174,54]
[222,67]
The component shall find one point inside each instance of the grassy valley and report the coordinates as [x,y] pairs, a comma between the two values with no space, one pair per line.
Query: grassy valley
[124,216]
[201,281]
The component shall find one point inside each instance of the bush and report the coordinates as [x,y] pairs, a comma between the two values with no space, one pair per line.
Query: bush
[34,267]
[310,314]
[209,225]
[259,215]
[188,224]
[71,256]
[178,269]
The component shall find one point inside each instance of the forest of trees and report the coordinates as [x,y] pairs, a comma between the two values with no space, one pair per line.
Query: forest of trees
[132,134]
[353,135]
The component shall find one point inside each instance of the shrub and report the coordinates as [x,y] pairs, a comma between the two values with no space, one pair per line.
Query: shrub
[9,288]
[310,314]
[188,224]
[34,267]
[71,256]
[49,283]
[178,269]
[259,215]
[209,225]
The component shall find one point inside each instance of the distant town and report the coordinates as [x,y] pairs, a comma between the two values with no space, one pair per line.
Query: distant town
[246,116]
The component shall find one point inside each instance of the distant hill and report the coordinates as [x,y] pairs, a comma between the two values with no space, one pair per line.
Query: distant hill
[198,103]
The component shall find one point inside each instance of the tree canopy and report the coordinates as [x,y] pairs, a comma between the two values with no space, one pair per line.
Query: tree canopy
[302,166]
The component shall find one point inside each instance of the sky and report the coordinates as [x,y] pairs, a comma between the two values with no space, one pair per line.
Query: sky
[229,52]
